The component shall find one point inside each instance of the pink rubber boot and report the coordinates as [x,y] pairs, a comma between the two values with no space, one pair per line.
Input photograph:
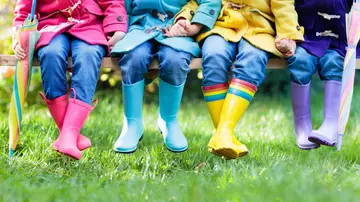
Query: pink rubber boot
[57,108]
[76,115]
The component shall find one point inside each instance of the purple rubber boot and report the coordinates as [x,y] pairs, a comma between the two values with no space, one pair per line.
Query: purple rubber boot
[328,131]
[300,95]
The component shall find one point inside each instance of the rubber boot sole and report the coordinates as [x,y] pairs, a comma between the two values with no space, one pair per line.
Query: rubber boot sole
[171,150]
[321,141]
[309,148]
[229,153]
[129,152]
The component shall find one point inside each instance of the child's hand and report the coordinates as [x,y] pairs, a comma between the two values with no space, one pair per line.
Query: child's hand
[183,28]
[19,52]
[177,30]
[286,46]
[115,38]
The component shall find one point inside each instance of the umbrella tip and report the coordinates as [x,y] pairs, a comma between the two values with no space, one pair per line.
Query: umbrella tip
[11,153]
[339,143]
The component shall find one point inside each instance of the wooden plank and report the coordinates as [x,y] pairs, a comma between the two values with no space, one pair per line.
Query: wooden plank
[10,60]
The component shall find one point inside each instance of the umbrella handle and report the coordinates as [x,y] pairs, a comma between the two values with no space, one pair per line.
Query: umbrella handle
[33,8]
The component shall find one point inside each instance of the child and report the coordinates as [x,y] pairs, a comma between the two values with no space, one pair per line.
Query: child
[79,28]
[148,38]
[322,51]
[244,33]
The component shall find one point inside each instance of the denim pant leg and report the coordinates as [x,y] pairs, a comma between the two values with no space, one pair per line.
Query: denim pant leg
[302,65]
[331,66]
[173,65]
[217,58]
[135,63]
[250,64]
[85,70]
[53,65]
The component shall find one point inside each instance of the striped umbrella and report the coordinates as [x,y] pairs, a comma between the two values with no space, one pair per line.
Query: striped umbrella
[27,37]
[353,32]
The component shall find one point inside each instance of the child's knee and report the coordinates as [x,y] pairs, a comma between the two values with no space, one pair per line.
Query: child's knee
[174,71]
[332,71]
[52,53]
[302,66]
[302,73]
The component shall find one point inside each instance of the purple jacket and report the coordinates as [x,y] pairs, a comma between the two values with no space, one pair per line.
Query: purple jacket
[324,23]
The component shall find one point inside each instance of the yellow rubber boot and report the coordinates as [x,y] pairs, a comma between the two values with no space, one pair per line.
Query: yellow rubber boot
[214,97]
[238,98]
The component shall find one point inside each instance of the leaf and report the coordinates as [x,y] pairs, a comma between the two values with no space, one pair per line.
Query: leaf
[200,75]
[106,70]
[112,82]
[104,77]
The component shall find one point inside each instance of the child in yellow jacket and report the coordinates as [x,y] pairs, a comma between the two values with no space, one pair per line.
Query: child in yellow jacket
[245,32]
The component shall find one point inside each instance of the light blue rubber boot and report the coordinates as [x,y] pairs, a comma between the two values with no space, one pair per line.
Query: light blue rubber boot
[170,99]
[133,128]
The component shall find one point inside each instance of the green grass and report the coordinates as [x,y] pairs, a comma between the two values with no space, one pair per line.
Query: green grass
[274,170]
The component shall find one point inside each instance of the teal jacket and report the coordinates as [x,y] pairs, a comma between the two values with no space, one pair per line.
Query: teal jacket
[147,19]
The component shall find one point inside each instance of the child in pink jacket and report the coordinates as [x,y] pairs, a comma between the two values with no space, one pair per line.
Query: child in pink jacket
[86,30]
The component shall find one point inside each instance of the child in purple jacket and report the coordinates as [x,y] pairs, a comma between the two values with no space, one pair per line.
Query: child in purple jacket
[323,51]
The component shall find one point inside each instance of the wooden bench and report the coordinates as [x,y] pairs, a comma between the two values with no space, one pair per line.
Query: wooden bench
[10,60]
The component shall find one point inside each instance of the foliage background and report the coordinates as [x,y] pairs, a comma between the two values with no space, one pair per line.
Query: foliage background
[275,170]
[277,81]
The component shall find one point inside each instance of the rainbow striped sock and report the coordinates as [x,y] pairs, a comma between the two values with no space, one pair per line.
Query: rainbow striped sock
[215,92]
[242,89]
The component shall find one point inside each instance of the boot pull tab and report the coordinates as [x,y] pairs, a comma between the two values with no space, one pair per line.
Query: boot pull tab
[43,97]
[73,91]
[94,103]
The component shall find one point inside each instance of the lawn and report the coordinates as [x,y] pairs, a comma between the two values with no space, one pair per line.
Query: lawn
[274,170]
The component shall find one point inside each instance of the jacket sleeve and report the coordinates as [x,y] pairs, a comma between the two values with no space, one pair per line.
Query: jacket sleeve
[188,11]
[115,16]
[286,20]
[207,13]
[22,10]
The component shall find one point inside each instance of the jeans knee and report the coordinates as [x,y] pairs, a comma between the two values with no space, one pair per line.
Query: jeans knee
[331,66]
[134,65]
[302,79]
[250,66]
[213,50]
[52,54]
[255,75]
[215,73]
[53,64]
[216,62]
[331,74]
[174,70]
[302,66]
[90,55]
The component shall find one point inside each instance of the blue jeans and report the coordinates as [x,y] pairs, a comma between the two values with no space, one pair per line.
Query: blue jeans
[173,64]
[303,65]
[219,55]
[85,69]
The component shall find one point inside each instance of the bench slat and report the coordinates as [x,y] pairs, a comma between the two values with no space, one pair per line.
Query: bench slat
[10,60]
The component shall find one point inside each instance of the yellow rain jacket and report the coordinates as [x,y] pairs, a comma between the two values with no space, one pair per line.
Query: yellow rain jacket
[257,21]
